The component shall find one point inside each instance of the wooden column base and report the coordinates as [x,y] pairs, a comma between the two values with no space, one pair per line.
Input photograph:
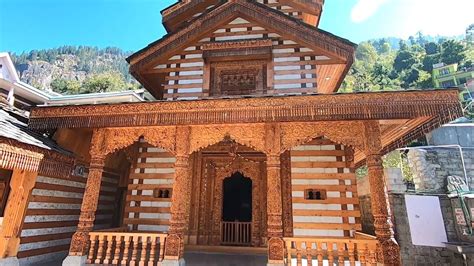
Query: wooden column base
[174,247]
[389,252]
[276,251]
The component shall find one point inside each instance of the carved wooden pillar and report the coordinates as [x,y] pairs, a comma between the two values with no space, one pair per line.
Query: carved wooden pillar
[91,196]
[388,249]
[181,197]
[21,184]
[276,252]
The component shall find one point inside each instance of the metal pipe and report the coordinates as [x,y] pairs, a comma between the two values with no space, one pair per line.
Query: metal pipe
[460,148]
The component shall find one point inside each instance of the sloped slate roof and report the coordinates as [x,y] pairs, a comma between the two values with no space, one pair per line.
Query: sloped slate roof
[12,128]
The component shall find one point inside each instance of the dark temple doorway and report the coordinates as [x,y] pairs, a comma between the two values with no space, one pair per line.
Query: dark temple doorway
[237,210]
[237,205]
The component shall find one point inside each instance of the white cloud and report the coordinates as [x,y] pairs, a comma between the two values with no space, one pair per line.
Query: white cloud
[433,17]
[364,9]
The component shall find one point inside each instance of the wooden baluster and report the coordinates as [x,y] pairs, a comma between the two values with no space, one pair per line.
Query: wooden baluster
[91,255]
[320,253]
[108,252]
[151,261]
[100,250]
[162,249]
[309,258]
[288,252]
[118,245]
[350,252]
[133,260]
[144,251]
[126,249]
[341,253]
[330,248]
[299,260]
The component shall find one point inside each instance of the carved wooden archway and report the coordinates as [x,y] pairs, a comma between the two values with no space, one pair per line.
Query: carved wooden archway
[348,133]
[250,135]
[111,140]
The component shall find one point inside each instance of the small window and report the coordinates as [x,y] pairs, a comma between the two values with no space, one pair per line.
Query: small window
[162,193]
[315,194]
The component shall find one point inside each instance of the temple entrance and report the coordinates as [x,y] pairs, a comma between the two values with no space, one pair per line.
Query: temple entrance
[237,211]
[229,191]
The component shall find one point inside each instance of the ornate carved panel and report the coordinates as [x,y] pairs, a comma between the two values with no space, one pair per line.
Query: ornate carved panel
[238,78]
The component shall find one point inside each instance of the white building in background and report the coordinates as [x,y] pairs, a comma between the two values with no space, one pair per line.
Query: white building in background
[20,94]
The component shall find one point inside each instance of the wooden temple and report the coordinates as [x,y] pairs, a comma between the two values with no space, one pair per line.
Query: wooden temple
[247,145]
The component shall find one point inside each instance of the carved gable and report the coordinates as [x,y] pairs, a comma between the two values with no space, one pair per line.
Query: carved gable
[241,58]
[299,59]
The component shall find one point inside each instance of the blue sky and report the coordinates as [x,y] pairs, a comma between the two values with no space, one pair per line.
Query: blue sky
[132,24]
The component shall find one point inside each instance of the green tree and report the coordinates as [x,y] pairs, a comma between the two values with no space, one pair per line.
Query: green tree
[470,34]
[431,48]
[366,53]
[420,38]
[429,61]
[105,82]
[64,86]
[381,78]
[452,52]
[404,60]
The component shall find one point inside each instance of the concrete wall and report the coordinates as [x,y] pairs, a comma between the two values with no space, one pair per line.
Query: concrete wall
[431,167]
[457,134]
[410,254]
[423,255]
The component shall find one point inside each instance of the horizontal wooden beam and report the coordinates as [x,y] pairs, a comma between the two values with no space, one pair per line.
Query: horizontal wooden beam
[362,106]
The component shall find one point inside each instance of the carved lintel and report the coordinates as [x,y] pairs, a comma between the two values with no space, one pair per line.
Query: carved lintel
[238,44]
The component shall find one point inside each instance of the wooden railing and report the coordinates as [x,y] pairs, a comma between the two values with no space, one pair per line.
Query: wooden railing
[358,250]
[117,246]
[236,233]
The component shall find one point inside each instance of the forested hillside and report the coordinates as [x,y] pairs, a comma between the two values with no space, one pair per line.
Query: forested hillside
[72,70]
[383,64]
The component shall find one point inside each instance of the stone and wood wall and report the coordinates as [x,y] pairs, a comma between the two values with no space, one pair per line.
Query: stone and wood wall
[149,192]
[324,190]
[53,214]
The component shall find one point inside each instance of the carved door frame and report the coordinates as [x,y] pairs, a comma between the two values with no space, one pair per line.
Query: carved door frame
[249,170]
